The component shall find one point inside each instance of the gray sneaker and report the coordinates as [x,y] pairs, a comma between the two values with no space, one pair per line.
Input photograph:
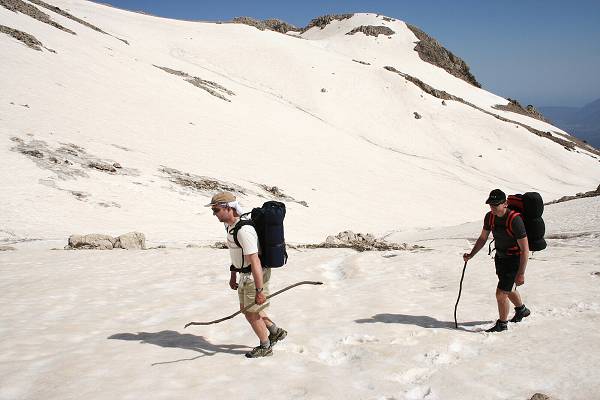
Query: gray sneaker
[279,334]
[260,351]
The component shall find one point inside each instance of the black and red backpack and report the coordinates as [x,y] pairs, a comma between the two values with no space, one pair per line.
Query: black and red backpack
[530,207]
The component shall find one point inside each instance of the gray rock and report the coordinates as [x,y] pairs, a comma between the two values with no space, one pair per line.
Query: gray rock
[95,241]
[541,396]
[371,30]
[131,241]
[324,20]
[102,166]
[417,115]
[7,248]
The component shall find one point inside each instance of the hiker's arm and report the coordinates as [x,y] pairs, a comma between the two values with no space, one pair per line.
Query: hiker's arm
[257,275]
[233,281]
[524,246]
[483,237]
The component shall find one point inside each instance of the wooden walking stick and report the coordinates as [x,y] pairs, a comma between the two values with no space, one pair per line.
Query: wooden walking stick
[459,291]
[247,307]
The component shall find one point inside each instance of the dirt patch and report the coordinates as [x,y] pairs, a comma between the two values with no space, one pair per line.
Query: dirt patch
[325,20]
[200,183]
[360,242]
[211,87]
[32,11]
[516,107]
[569,145]
[431,51]
[371,30]
[68,161]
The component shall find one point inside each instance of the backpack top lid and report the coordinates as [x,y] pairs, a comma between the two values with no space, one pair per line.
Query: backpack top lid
[529,204]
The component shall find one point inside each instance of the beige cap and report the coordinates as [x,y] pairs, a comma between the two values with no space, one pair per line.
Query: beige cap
[221,198]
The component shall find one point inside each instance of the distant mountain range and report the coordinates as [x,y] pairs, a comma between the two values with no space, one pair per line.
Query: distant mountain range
[583,122]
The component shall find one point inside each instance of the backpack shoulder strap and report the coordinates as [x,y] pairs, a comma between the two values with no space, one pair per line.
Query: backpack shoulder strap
[509,220]
[238,226]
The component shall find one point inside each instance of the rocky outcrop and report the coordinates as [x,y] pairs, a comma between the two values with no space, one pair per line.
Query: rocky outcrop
[201,183]
[371,30]
[280,26]
[24,37]
[325,20]
[516,107]
[96,241]
[211,87]
[131,241]
[7,248]
[431,51]
[591,193]
[279,195]
[69,161]
[250,22]
[541,396]
[569,145]
[359,242]
[33,12]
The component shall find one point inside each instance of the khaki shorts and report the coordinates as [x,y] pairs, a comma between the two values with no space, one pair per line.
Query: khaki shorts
[247,292]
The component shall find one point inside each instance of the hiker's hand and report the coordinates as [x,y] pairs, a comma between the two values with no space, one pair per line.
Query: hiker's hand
[467,257]
[233,284]
[520,279]
[260,298]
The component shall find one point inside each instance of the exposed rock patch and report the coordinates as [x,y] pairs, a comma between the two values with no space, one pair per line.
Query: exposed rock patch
[567,144]
[68,161]
[24,37]
[32,11]
[272,24]
[251,22]
[200,183]
[325,20]
[96,241]
[431,51]
[417,115]
[360,242]
[280,26]
[279,195]
[7,248]
[361,62]
[591,193]
[211,87]
[541,396]
[371,30]
[516,107]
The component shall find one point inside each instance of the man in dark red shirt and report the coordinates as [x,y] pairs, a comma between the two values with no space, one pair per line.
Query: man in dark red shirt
[512,252]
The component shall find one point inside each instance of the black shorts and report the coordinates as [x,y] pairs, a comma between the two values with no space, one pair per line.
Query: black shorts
[506,269]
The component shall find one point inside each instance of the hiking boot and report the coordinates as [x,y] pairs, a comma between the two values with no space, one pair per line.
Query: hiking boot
[499,327]
[520,314]
[279,334]
[260,351]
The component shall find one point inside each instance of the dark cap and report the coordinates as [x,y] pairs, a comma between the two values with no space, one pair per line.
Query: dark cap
[496,197]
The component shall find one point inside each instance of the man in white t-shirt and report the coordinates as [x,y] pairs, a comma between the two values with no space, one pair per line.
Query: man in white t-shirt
[253,285]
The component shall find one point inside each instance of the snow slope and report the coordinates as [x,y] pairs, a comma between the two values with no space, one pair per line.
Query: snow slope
[354,152]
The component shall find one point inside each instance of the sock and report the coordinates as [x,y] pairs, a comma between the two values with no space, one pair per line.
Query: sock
[272,328]
[521,307]
[265,344]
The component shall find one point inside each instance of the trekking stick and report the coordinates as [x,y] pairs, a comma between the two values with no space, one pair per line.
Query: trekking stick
[459,292]
[247,307]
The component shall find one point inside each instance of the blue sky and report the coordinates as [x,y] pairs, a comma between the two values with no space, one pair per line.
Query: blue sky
[545,53]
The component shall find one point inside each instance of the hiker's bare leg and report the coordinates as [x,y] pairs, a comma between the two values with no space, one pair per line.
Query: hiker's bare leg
[258,326]
[265,318]
[515,298]
[503,304]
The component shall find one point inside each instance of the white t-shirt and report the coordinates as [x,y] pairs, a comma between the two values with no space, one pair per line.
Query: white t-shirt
[248,240]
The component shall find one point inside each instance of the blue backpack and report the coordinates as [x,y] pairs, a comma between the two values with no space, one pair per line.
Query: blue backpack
[268,223]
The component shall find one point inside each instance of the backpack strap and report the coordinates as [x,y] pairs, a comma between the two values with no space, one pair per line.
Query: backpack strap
[234,232]
[515,250]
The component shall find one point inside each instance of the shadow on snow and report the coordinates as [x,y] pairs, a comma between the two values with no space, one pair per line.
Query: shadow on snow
[182,341]
[419,320]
